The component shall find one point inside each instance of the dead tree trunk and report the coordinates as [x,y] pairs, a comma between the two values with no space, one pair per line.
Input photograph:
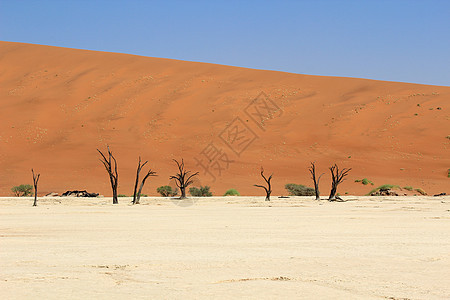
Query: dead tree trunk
[336,178]
[138,171]
[268,189]
[182,178]
[137,194]
[312,170]
[35,183]
[110,164]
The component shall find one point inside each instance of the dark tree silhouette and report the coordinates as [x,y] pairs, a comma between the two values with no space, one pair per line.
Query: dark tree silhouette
[110,164]
[268,189]
[137,194]
[312,170]
[182,178]
[336,178]
[35,183]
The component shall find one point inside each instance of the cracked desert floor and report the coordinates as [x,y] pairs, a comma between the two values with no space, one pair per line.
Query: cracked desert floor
[223,248]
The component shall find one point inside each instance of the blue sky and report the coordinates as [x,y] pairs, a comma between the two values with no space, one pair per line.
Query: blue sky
[394,40]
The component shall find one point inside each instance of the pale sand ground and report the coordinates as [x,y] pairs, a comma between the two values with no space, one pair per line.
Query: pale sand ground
[222,248]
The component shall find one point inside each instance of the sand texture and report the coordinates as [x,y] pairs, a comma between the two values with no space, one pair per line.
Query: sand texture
[225,248]
[58,105]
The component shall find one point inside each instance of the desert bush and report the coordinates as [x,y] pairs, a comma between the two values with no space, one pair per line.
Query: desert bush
[364,181]
[420,191]
[408,188]
[122,195]
[299,190]
[167,191]
[383,187]
[203,191]
[22,190]
[232,192]
[448,175]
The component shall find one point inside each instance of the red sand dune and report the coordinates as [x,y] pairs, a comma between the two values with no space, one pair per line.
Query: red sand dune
[58,105]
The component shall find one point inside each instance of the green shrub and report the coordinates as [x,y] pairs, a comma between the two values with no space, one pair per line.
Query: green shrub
[299,190]
[383,187]
[121,195]
[232,192]
[364,181]
[388,186]
[22,190]
[167,191]
[203,191]
[448,175]
[408,188]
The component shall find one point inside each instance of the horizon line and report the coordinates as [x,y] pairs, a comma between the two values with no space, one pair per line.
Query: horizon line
[219,64]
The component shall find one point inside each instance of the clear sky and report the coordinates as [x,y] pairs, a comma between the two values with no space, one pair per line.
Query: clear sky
[394,40]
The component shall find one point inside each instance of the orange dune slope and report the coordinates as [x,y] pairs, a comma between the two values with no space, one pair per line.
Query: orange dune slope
[59,105]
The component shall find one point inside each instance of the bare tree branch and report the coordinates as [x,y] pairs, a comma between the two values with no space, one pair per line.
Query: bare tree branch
[137,193]
[312,170]
[336,178]
[268,189]
[180,178]
[110,165]
[35,184]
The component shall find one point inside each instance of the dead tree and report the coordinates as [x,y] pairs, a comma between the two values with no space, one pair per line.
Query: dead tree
[35,183]
[336,178]
[268,189]
[137,194]
[110,164]
[182,178]
[312,170]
